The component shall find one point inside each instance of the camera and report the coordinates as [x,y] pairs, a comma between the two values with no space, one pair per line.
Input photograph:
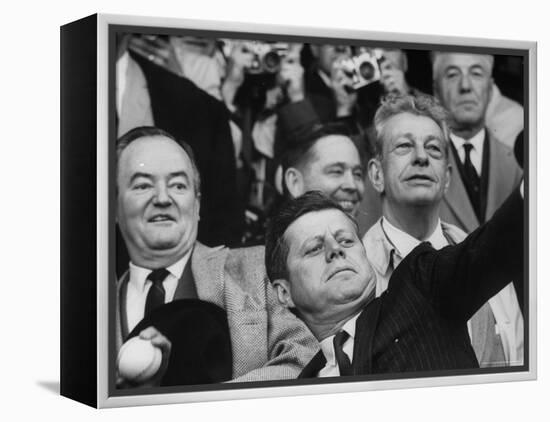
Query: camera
[363,69]
[267,56]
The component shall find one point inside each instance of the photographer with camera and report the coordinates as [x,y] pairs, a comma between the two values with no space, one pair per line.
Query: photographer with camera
[260,77]
[393,66]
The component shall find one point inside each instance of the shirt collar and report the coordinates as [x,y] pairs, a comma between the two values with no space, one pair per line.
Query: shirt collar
[138,275]
[404,243]
[327,344]
[476,141]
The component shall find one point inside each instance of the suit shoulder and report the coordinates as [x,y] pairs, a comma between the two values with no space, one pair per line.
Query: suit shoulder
[498,147]
[246,265]
[248,253]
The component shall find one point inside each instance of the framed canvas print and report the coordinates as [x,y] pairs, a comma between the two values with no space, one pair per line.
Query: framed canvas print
[252,211]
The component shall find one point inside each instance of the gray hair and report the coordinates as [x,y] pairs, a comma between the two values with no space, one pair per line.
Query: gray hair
[436,58]
[418,105]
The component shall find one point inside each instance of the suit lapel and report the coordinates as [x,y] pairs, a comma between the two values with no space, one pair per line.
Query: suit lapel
[186,288]
[207,266]
[121,315]
[457,199]
[365,330]
[501,177]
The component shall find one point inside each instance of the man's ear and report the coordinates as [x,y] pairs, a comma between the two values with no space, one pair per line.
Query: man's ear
[435,89]
[448,175]
[376,175]
[294,182]
[282,289]
[198,206]
[491,88]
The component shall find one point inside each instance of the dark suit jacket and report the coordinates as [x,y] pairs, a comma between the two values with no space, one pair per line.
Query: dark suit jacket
[504,175]
[419,323]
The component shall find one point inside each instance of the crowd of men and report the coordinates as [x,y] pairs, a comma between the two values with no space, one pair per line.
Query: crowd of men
[368,227]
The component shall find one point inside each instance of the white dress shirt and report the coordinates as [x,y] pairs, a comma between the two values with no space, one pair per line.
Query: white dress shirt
[504,305]
[138,287]
[327,346]
[404,243]
[476,154]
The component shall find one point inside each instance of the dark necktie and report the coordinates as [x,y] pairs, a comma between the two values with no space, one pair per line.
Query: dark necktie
[155,297]
[342,359]
[472,181]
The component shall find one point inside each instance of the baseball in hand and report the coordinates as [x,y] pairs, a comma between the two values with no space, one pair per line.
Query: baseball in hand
[138,360]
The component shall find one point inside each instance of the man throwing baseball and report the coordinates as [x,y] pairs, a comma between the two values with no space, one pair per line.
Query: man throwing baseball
[158,202]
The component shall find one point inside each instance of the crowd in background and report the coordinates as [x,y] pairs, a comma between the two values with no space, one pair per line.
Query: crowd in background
[240,104]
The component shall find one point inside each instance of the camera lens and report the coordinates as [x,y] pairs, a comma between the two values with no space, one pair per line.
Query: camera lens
[272,62]
[367,70]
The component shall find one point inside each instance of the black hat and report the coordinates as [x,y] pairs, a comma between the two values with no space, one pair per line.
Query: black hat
[201,344]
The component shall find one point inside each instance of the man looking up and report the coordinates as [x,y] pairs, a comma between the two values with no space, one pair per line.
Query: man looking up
[411,172]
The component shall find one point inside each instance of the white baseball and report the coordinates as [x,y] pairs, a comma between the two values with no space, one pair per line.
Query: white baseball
[138,360]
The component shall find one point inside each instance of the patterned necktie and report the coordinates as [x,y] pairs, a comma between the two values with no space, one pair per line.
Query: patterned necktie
[472,181]
[342,359]
[155,297]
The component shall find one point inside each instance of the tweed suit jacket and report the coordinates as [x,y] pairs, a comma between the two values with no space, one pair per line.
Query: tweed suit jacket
[268,342]
[419,323]
[504,175]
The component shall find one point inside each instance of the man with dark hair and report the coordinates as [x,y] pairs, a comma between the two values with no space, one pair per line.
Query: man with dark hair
[411,172]
[325,158]
[318,265]
[158,203]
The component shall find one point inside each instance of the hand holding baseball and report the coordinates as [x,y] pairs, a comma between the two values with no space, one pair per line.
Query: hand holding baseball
[143,359]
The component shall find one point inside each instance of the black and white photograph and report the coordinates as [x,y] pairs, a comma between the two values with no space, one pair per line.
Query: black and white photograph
[289,210]
[308,214]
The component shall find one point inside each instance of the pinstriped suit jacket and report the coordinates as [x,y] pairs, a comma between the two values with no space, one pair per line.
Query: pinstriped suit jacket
[419,323]
[268,342]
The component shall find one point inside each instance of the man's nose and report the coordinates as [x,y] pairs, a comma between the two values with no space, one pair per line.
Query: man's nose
[465,83]
[333,250]
[420,155]
[348,181]
[162,198]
